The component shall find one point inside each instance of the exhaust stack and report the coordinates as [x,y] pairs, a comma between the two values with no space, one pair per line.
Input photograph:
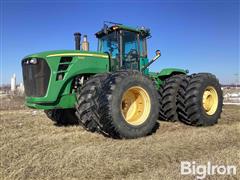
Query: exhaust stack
[85,44]
[77,36]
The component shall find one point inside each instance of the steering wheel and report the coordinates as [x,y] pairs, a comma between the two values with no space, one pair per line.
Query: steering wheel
[111,46]
[132,54]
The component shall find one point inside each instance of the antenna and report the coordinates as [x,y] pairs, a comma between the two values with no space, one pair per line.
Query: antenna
[109,22]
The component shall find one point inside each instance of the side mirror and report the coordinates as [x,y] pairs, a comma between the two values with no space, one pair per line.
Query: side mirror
[158,53]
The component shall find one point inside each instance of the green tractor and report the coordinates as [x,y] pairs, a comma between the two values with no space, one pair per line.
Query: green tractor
[111,91]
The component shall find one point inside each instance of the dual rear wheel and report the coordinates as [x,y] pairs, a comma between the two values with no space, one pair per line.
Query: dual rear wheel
[195,100]
[200,100]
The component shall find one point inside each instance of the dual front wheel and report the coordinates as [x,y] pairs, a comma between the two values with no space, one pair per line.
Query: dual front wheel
[124,105]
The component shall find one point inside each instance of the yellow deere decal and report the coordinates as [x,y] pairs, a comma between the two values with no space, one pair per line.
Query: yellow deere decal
[78,54]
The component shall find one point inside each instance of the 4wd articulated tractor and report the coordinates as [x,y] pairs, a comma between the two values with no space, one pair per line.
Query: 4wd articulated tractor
[112,91]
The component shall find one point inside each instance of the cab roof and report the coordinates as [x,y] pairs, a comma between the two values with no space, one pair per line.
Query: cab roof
[107,30]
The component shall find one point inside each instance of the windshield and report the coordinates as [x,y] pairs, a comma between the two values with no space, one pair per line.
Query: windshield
[109,43]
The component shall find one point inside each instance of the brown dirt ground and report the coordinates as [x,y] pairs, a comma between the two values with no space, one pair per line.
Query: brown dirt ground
[32,147]
[10,102]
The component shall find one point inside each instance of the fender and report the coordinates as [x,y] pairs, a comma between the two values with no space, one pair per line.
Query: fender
[170,71]
[165,73]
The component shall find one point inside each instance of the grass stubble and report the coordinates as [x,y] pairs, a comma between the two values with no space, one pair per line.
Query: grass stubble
[32,147]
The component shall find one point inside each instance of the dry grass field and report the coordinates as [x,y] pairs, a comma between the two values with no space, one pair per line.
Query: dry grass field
[32,147]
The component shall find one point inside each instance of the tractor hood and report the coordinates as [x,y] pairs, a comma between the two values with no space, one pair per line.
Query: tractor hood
[58,53]
[49,76]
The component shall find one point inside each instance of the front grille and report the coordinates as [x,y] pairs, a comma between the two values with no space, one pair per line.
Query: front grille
[35,77]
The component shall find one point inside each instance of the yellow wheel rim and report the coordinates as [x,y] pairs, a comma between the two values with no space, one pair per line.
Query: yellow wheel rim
[135,106]
[210,100]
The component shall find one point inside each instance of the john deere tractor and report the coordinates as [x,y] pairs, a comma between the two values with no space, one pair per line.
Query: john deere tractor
[112,91]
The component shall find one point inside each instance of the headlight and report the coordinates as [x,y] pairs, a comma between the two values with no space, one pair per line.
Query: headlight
[33,61]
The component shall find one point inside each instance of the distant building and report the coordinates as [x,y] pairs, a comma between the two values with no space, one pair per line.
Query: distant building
[13,83]
[20,89]
[232,97]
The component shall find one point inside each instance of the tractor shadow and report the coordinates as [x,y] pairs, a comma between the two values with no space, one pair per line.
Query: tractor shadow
[67,123]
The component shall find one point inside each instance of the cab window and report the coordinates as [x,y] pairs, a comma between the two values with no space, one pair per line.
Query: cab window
[143,46]
[109,43]
[130,52]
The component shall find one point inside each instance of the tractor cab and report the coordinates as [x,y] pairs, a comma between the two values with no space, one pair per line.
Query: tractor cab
[126,47]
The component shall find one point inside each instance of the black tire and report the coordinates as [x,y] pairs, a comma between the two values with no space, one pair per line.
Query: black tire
[182,115]
[62,116]
[168,97]
[86,105]
[110,104]
[190,106]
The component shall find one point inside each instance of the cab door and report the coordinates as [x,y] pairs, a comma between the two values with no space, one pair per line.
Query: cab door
[129,43]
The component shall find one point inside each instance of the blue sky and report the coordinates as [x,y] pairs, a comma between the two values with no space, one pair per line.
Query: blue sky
[202,36]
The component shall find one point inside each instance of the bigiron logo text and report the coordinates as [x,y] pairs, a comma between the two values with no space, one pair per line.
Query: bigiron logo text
[201,171]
